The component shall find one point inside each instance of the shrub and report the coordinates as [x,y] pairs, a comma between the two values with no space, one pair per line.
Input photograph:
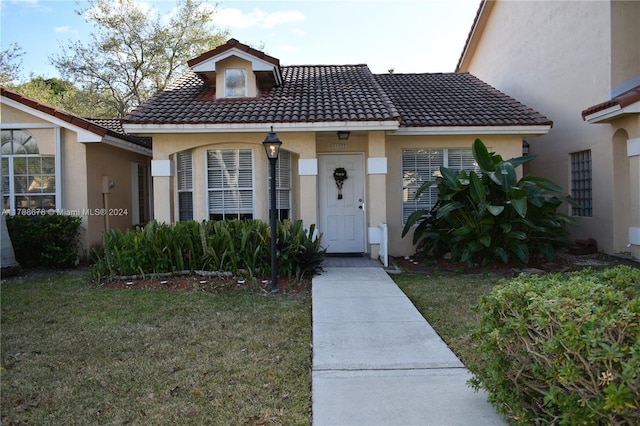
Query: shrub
[229,245]
[45,240]
[491,216]
[562,349]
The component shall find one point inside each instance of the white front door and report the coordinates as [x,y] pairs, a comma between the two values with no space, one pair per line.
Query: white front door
[342,220]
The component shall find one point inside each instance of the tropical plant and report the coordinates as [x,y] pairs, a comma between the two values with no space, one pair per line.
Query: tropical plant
[227,246]
[491,216]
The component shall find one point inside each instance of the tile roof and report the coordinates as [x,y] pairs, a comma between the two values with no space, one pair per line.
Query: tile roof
[332,93]
[231,44]
[454,99]
[310,93]
[99,126]
[622,100]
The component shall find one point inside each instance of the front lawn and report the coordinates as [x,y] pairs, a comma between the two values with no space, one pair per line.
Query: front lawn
[445,301]
[77,354]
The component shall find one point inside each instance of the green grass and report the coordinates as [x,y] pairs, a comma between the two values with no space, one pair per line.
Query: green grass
[77,354]
[445,301]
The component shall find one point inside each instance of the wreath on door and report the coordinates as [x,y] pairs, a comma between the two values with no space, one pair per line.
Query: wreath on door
[340,175]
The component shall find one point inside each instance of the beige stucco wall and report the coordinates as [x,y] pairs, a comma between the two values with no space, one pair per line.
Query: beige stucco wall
[83,167]
[555,57]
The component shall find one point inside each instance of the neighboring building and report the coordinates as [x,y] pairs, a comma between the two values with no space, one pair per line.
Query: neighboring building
[54,161]
[579,63]
[390,132]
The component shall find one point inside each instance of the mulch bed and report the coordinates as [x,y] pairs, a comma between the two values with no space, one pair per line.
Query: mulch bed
[210,284]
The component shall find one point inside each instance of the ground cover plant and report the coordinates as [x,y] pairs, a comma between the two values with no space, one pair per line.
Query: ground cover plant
[235,246]
[73,353]
[491,216]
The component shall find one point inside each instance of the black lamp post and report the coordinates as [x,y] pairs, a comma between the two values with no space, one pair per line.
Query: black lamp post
[272,148]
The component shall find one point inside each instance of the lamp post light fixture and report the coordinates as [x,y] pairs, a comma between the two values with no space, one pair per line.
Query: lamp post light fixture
[272,148]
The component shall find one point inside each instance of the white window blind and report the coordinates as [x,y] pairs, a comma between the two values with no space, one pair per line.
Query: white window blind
[283,185]
[230,183]
[422,165]
[184,174]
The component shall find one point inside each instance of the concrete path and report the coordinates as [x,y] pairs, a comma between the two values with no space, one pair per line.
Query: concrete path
[376,361]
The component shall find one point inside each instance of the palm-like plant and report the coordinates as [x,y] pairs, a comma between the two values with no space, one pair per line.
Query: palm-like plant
[492,216]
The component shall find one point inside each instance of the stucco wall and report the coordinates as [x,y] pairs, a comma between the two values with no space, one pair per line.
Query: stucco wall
[555,57]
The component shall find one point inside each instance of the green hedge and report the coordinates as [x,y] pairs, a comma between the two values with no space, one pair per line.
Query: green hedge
[562,349]
[228,245]
[45,240]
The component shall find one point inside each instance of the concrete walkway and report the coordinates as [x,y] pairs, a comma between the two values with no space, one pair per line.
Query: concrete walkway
[376,361]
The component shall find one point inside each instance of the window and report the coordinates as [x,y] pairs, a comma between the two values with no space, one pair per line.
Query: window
[235,82]
[422,165]
[581,183]
[28,178]
[230,183]
[184,174]
[283,185]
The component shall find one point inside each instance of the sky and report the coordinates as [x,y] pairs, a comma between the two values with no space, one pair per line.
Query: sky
[410,36]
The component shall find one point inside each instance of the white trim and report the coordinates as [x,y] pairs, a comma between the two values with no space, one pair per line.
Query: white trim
[633,147]
[161,168]
[256,63]
[59,164]
[377,165]
[324,126]
[83,135]
[308,167]
[474,130]
[613,112]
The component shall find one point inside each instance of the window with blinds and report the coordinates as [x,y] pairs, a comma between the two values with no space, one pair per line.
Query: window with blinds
[184,174]
[581,183]
[283,186]
[422,165]
[230,184]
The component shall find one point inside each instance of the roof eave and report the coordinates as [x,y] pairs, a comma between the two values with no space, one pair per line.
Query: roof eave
[612,113]
[532,130]
[321,126]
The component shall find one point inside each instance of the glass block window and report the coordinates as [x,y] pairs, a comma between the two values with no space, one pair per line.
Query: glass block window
[235,82]
[230,184]
[28,178]
[184,175]
[581,189]
[422,165]
[283,186]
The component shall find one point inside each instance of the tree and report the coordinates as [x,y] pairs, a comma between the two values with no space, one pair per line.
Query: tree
[10,64]
[65,95]
[492,216]
[132,54]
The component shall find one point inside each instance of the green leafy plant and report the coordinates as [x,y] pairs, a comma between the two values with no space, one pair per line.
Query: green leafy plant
[492,216]
[228,246]
[45,240]
[562,349]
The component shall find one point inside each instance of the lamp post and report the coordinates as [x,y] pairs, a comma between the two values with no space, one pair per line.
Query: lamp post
[272,148]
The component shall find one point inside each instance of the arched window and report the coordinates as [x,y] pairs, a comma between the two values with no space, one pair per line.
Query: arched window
[28,178]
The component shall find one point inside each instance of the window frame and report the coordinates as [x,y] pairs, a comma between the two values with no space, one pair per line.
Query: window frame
[31,157]
[184,184]
[241,213]
[231,91]
[581,182]
[454,158]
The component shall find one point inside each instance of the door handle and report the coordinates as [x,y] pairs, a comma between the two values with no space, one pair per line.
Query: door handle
[361,206]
